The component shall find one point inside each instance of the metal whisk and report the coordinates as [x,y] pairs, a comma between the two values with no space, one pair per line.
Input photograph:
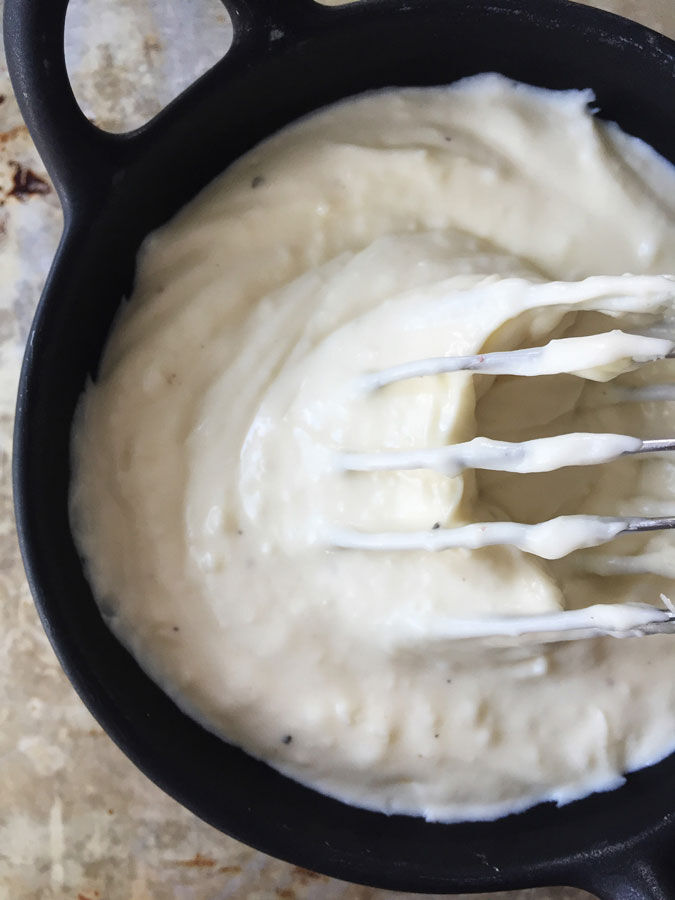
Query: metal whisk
[595,357]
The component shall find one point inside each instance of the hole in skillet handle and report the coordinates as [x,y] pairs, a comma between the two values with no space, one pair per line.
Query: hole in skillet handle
[148,54]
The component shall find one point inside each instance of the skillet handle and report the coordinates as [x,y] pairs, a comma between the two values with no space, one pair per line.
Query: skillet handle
[78,156]
[635,879]
[271,20]
[81,159]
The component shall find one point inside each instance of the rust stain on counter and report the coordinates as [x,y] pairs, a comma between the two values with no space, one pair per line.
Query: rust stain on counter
[25,182]
[304,876]
[197,862]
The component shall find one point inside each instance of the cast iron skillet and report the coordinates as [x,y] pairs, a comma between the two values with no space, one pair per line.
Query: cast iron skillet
[289,57]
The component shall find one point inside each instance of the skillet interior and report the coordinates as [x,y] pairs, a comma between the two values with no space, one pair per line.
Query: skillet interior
[119,188]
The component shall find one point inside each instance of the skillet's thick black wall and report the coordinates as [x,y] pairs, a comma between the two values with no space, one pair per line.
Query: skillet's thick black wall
[288,58]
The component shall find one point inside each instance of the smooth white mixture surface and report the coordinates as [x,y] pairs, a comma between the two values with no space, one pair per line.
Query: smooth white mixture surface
[210,456]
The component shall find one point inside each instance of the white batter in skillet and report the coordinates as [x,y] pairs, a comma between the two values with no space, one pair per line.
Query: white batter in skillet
[399,225]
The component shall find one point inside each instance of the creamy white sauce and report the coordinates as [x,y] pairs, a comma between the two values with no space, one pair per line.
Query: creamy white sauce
[245,375]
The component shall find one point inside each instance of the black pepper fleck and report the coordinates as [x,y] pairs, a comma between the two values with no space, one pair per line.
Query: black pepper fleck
[435,526]
[257,181]
[287,739]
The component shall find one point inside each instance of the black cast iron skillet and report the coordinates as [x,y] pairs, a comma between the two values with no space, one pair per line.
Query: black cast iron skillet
[289,57]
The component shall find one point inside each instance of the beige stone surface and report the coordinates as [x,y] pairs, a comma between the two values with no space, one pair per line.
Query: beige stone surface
[77,820]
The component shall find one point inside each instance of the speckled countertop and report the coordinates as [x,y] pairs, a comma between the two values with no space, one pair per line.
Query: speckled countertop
[77,820]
